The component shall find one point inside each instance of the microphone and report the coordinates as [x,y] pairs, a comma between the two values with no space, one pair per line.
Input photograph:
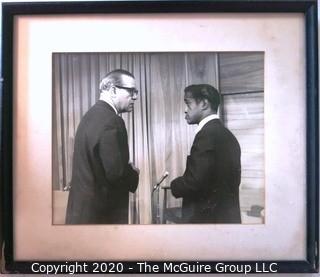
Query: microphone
[164,176]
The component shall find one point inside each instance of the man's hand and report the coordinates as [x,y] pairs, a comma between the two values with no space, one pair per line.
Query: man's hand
[135,168]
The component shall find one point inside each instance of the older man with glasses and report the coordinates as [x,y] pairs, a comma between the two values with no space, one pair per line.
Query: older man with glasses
[102,176]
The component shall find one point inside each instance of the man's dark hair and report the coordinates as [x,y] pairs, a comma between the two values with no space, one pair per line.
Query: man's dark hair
[204,91]
[114,77]
[119,72]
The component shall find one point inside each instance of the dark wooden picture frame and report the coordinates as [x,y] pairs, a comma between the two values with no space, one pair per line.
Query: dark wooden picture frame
[308,8]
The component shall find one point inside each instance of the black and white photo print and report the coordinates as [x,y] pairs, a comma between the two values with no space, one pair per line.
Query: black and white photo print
[158,138]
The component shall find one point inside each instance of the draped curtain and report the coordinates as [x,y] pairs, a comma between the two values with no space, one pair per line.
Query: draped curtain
[159,138]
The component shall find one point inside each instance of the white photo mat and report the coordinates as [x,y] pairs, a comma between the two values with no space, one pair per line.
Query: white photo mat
[280,35]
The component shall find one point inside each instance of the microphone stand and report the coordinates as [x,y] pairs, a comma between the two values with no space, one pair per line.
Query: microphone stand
[157,213]
[156,188]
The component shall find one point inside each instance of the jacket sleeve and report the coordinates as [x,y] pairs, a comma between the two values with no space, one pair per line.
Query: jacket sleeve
[117,170]
[131,179]
[199,167]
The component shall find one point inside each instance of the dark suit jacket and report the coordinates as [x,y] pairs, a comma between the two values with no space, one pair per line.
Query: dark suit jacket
[210,184]
[101,176]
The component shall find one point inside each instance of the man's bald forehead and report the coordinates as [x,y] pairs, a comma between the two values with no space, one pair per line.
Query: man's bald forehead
[127,81]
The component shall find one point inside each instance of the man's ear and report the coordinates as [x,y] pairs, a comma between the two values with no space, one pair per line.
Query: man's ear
[105,86]
[205,104]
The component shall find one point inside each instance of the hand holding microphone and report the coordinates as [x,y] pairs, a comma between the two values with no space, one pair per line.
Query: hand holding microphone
[164,176]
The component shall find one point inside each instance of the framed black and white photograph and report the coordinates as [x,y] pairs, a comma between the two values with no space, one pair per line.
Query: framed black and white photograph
[144,133]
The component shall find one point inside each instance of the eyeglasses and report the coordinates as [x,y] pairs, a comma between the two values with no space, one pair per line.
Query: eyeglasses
[132,91]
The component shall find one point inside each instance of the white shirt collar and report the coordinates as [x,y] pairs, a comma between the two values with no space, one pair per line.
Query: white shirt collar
[205,121]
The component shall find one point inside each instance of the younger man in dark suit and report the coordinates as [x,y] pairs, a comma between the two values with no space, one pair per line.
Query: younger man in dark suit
[210,184]
[101,174]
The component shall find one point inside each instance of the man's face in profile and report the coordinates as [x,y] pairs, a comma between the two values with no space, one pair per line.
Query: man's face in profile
[193,110]
[126,94]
